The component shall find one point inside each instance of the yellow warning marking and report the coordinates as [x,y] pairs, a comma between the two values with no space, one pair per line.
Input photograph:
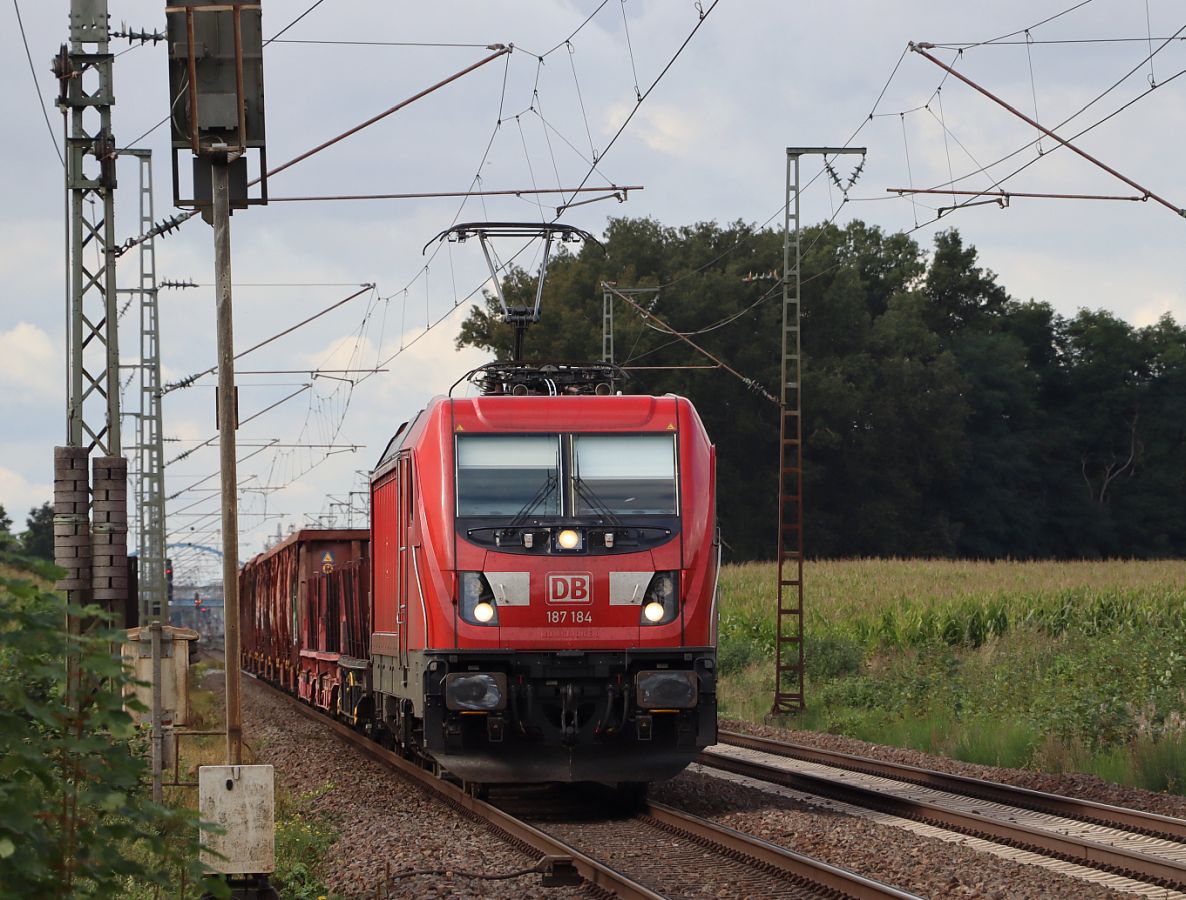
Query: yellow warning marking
[670,427]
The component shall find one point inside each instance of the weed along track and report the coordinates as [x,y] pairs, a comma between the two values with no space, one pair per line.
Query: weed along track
[1115,847]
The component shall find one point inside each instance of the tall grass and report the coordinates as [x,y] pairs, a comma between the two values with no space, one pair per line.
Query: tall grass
[1064,666]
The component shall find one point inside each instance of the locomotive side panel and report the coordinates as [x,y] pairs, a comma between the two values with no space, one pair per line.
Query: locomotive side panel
[701,546]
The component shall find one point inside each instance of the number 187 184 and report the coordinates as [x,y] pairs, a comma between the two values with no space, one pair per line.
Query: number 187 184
[570,616]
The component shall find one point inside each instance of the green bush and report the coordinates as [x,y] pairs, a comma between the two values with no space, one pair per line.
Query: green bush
[1067,666]
[831,656]
[302,841]
[743,640]
[75,818]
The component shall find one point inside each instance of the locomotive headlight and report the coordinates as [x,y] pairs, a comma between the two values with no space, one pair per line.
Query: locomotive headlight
[569,539]
[660,604]
[476,604]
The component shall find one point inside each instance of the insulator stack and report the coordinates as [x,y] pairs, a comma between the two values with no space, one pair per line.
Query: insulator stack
[72,535]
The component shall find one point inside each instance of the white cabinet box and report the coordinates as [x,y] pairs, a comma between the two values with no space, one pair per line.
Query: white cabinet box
[241,800]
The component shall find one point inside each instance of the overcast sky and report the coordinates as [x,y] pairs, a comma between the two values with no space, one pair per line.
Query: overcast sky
[707,143]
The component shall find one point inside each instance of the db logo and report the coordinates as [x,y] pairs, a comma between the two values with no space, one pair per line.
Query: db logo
[570,588]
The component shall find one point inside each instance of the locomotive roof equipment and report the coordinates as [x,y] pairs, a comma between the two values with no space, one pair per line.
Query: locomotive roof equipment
[546,379]
[518,316]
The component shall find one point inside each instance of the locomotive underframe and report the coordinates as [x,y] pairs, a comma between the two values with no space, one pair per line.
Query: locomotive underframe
[567,715]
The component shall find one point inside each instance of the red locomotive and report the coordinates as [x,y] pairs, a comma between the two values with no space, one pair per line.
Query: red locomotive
[538,598]
[542,592]
[544,587]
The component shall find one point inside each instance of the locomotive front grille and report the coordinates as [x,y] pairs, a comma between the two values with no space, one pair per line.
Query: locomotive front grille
[569,715]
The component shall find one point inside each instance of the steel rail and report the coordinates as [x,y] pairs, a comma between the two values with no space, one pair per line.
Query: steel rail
[598,874]
[595,873]
[1065,847]
[737,843]
[1152,824]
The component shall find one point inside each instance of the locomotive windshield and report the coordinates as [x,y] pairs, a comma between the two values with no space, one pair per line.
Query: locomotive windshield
[504,475]
[624,474]
[572,475]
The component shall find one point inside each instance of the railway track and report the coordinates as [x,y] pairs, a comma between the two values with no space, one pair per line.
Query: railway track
[1148,849]
[632,857]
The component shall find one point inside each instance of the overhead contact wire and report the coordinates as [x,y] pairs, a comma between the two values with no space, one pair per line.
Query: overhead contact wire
[36,87]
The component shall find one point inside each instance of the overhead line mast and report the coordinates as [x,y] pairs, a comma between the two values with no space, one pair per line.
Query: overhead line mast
[93,553]
[150,471]
[788,647]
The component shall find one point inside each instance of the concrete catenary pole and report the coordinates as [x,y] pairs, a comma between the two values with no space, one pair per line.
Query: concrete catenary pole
[227,423]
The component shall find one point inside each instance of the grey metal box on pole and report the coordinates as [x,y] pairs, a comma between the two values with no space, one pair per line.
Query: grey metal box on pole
[216,90]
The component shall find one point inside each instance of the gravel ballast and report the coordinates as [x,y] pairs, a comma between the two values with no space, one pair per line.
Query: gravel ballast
[387,824]
[384,823]
[924,866]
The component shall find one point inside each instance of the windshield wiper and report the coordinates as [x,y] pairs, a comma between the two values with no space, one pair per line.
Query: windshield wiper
[545,491]
[594,501]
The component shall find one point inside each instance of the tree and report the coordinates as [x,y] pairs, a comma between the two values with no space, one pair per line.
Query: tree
[940,415]
[38,539]
[5,521]
[959,291]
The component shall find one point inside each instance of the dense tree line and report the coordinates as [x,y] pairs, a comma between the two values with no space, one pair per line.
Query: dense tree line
[38,538]
[942,417]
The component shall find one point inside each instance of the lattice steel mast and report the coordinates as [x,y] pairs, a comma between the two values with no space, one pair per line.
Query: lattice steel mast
[150,481]
[788,677]
[86,84]
[90,533]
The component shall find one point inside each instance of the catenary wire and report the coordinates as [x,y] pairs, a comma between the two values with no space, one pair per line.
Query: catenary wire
[948,45]
[36,88]
[1065,142]
[1073,137]
[1048,19]
[458,303]
[1082,109]
[293,22]
[379,43]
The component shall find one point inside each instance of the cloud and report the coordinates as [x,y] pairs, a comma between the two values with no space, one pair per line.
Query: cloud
[18,496]
[664,129]
[1159,303]
[347,352]
[27,357]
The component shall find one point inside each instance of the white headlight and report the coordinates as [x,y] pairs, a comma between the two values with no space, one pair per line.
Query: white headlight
[653,611]
[484,611]
[569,539]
